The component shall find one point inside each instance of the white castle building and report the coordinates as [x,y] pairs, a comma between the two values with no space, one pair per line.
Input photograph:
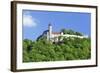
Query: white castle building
[54,36]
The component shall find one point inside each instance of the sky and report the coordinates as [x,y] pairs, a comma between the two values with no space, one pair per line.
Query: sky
[35,22]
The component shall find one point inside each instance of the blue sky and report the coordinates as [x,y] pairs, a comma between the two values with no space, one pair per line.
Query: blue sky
[35,22]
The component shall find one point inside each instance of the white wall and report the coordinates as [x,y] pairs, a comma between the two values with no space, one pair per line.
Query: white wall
[5,37]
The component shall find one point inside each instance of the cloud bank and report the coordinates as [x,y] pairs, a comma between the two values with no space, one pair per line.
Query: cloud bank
[28,20]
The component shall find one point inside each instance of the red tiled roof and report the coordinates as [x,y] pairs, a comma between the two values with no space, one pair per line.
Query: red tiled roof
[55,32]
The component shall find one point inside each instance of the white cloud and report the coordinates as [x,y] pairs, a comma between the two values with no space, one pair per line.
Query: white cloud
[29,21]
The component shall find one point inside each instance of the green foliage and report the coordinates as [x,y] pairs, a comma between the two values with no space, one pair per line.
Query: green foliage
[69,49]
[65,31]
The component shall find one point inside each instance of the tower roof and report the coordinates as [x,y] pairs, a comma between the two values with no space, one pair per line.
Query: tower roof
[49,24]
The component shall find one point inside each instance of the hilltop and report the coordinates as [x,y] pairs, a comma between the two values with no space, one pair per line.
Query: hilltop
[69,49]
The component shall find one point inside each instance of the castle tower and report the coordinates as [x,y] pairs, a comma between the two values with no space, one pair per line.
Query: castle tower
[50,31]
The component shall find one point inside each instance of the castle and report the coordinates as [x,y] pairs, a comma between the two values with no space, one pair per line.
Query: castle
[54,36]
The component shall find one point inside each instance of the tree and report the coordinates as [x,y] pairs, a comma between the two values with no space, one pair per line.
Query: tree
[66,31]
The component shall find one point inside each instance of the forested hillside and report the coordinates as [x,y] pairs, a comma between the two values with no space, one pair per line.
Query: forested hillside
[69,49]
